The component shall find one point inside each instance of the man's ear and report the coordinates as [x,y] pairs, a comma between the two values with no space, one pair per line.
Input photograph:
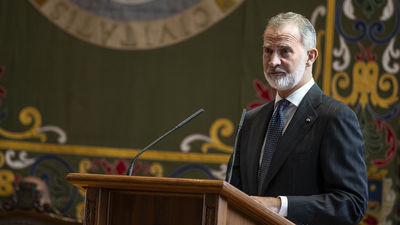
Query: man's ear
[312,55]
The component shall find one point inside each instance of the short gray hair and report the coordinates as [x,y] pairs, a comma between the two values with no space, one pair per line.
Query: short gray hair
[306,29]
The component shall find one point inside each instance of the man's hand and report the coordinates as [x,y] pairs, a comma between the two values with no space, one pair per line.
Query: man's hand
[273,204]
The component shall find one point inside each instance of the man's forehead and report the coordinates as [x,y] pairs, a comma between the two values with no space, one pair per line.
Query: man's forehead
[286,35]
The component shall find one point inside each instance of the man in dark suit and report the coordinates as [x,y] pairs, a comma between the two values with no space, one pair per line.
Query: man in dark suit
[302,154]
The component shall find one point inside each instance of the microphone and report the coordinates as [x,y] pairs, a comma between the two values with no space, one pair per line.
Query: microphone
[229,171]
[130,170]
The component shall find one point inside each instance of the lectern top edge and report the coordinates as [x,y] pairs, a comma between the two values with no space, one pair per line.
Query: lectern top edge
[178,186]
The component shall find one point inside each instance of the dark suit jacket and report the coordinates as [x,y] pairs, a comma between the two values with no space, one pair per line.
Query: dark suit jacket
[318,164]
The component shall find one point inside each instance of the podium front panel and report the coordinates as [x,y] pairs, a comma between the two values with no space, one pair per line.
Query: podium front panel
[149,209]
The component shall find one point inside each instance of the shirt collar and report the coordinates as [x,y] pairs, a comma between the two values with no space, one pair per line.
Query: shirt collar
[298,95]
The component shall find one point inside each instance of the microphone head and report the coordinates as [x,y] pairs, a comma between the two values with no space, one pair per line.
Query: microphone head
[190,118]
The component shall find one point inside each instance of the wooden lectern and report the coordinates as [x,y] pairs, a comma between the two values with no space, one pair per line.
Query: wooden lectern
[123,200]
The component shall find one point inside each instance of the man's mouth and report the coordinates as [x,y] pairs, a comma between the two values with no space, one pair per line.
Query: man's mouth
[276,73]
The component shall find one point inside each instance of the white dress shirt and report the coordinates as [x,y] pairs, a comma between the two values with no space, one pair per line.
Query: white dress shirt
[294,99]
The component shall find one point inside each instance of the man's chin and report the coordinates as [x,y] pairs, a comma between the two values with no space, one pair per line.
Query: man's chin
[274,84]
[283,88]
[280,87]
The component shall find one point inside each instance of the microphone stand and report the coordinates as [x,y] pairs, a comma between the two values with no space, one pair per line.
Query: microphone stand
[229,171]
[131,167]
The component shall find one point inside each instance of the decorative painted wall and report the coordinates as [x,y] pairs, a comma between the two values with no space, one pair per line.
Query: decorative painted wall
[84,85]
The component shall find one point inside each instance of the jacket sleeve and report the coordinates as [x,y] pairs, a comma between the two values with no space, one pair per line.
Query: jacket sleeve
[345,188]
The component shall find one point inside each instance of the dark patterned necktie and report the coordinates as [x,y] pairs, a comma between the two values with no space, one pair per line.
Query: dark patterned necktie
[274,132]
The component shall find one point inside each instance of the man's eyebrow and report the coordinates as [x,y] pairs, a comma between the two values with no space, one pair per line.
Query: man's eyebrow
[279,46]
[284,46]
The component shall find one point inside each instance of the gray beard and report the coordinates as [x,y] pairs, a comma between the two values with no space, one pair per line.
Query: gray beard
[287,81]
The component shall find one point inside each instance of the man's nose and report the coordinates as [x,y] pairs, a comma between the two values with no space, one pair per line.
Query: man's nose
[274,60]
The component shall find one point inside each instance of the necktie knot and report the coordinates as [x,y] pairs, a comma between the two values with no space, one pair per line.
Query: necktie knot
[282,104]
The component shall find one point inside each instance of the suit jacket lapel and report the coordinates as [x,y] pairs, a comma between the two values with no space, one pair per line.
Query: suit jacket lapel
[295,132]
[256,139]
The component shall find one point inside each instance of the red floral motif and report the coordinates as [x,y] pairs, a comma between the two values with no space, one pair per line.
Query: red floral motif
[366,54]
[143,167]
[390,140]
[3,91]
[369,220]
[264,94]
[119,167]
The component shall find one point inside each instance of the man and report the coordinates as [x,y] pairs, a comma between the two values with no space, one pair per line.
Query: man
[301,158]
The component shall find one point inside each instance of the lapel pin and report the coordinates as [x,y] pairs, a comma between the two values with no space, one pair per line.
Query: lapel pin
[308,119]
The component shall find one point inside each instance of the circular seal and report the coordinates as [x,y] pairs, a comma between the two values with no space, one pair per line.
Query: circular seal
[135,24]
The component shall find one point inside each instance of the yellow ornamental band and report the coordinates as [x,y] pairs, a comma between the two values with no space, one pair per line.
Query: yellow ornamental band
[27,116]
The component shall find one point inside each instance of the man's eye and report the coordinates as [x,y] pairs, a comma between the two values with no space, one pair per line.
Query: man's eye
[285,51]
[268,51]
